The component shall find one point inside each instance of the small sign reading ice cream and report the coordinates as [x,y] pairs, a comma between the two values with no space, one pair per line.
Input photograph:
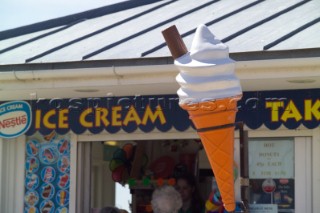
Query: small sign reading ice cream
[15,118]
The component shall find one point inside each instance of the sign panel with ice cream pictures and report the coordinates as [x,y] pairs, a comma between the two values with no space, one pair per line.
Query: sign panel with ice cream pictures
[47,176]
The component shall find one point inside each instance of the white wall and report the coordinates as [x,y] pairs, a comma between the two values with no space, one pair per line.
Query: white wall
[12,161]
[316,170]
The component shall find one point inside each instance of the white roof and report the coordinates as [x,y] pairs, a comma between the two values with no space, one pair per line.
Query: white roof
[135,31]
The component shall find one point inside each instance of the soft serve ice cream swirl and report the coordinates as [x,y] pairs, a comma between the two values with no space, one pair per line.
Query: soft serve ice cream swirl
[206,72]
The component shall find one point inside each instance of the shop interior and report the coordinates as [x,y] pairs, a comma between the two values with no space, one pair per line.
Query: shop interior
[125,173]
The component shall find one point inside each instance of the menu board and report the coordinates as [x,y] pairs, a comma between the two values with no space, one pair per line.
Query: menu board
[47,174]
[271,158]
[271,175]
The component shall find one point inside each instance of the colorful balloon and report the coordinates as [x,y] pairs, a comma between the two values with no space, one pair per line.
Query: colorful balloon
[117,174]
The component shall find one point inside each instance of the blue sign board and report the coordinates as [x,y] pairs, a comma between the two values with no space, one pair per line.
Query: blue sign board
[290,108]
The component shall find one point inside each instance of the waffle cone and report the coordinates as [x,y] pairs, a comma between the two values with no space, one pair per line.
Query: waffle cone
[218,143]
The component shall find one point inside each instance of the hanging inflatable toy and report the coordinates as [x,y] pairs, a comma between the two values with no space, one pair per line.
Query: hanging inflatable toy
[214,203]
[121,163]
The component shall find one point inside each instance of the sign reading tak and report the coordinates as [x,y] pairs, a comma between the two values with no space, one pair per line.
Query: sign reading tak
[310,110]
[290,108]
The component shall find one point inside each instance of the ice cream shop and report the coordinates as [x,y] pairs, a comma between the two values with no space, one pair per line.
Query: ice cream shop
[90,115]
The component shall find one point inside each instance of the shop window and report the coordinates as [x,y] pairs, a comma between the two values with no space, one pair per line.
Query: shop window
[272,174]
[280,173]
[125,173]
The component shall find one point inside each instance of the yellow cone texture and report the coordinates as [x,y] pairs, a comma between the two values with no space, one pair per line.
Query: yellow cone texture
[218,143]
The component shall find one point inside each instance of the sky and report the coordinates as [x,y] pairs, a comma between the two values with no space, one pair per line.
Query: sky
[17,13]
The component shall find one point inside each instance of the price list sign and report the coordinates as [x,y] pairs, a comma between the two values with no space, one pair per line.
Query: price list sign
[271,159]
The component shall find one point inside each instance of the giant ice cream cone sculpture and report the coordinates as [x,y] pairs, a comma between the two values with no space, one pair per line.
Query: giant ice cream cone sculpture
[209,92]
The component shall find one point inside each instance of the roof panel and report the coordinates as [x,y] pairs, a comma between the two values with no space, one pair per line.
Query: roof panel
[112,35]
[6,43]
[37,46]
[247,25]
[74,32]
[184,24]
[147,29]
[262,11]
[268,32]
[308,38]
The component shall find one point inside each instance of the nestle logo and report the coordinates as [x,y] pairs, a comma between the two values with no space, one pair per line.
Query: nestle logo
[12,122]
[15,118]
